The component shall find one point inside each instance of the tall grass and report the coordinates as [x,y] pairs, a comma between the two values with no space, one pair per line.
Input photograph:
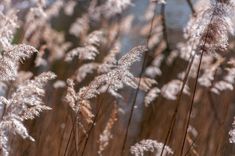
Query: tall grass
[84,78]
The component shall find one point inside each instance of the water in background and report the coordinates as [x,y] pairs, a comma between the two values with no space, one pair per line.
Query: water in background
[177,12]
[177,15]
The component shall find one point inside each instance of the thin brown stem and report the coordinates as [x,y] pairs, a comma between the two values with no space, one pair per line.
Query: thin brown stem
[165,34]
[90,130]
[70,136]
[99,105]
[173,119]
[194,92]
[192,144]
[138,87]
[190,4]
[191,104]
[202,51]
